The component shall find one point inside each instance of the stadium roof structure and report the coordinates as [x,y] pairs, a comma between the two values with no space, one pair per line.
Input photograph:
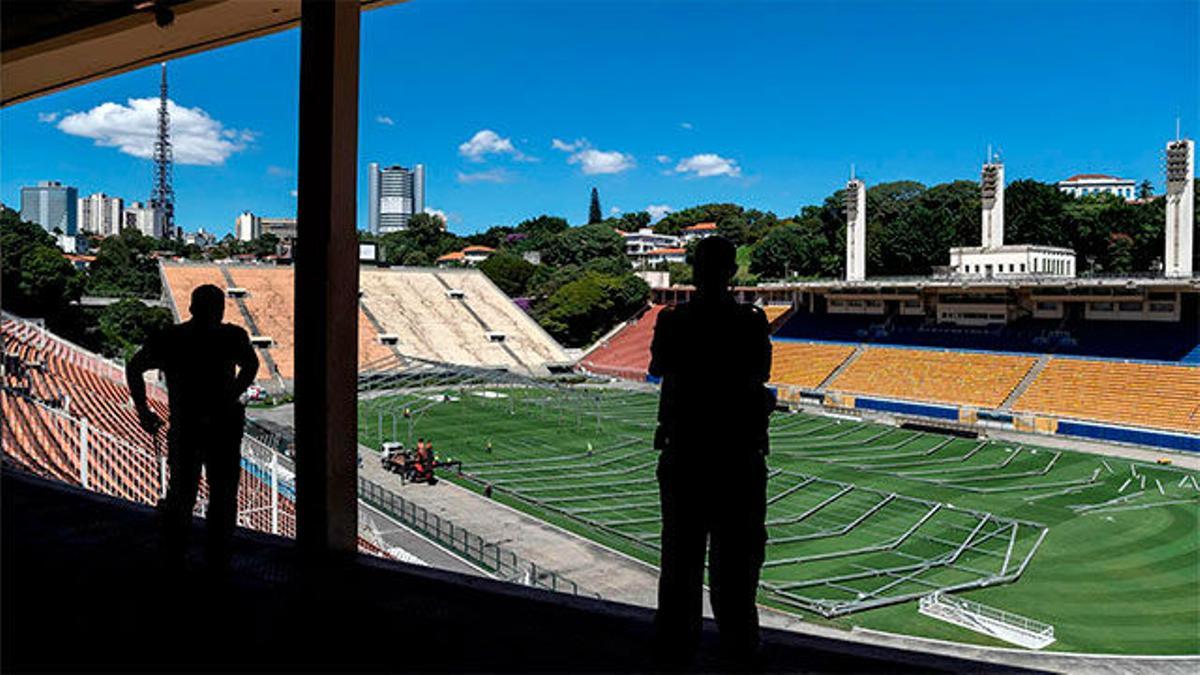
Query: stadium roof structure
[50,45]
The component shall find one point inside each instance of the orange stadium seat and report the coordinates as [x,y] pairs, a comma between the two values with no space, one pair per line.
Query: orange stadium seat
[627,353]
[53,385]
[964,378]
[1138,394]
[805,364]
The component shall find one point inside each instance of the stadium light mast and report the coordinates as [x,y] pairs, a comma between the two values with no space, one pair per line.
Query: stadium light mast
[992,192]
[162,195]
[1181,214]
[856,228]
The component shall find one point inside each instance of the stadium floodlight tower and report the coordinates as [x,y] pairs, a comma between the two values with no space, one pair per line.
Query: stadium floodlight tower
[1181,214]
[992,191]
[856,229]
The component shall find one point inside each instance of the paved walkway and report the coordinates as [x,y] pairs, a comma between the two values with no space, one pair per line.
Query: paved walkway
[597,569]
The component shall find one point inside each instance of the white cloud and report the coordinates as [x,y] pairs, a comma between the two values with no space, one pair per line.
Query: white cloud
[593,161]
[489,176]
[196,137]
[662,159]
[47,117]
[658,211]
[437,213]
[569,147]
[708,164]
[385,120]
[487,142]
[294,193]
[274,170]
[685,125]
[613,210]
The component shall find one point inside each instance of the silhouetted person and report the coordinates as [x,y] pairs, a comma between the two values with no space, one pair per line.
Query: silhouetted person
[208,365]
[714,356]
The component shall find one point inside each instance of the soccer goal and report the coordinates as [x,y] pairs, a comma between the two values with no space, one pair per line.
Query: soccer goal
[980,618]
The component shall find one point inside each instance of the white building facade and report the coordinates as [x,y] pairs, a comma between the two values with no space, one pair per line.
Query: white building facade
[638,244]
[1087,184]
[1012,260]
[698,231]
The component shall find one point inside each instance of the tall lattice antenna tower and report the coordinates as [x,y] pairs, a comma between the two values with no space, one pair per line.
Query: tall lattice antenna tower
[162,197]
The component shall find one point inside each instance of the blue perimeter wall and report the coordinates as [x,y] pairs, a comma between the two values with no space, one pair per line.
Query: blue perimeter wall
[925,410]
[1160,439]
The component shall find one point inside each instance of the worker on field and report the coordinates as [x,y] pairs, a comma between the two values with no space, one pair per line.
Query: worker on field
[208,366]
[714,356]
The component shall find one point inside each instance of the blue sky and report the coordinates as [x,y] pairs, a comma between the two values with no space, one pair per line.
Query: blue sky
[654,103]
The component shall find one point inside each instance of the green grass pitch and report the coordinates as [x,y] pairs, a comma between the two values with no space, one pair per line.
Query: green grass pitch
[863,517]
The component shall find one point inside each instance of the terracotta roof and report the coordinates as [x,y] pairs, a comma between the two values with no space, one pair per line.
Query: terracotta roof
[451,256]
[479,249]
[701,227]
[73,257]
[667,251]
[1091,176]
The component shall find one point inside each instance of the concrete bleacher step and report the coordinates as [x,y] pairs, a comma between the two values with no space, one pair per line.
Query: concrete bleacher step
[858,351]
[1026,382]
[240,301]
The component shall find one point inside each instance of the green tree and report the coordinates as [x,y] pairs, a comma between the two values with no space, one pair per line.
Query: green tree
[1145,190]
[595,215]
[675,221]
[124,267]
[578,245]
[533,233]
[511,273]
[267,244]
[583,309]
[681,273]
[125,325]
[791,250]
[37,280]
[632,222]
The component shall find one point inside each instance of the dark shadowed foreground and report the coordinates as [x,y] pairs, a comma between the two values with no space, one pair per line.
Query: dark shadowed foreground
[83,590]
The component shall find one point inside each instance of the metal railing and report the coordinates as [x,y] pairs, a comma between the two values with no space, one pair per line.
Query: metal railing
[492,557]
[1009,619]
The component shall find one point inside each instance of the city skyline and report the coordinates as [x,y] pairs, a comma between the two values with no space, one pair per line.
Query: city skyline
[758,106]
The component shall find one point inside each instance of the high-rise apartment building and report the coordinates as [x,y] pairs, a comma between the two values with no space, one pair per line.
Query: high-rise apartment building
[144,219]
[247,227]
[395,194]
[100,214]
[51,205]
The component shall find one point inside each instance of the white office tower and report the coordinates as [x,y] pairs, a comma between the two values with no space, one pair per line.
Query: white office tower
[992,191]
[856,230]
[395,194]
[1181,214]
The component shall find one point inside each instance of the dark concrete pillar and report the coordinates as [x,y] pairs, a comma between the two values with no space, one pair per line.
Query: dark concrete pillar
[326,258]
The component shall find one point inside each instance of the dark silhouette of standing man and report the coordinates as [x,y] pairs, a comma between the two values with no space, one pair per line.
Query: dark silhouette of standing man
[714,356]
[208,364]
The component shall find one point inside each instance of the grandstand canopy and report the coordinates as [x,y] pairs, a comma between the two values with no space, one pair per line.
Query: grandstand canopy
[50,45]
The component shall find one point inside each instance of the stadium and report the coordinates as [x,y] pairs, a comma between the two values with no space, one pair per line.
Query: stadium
[998,465]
